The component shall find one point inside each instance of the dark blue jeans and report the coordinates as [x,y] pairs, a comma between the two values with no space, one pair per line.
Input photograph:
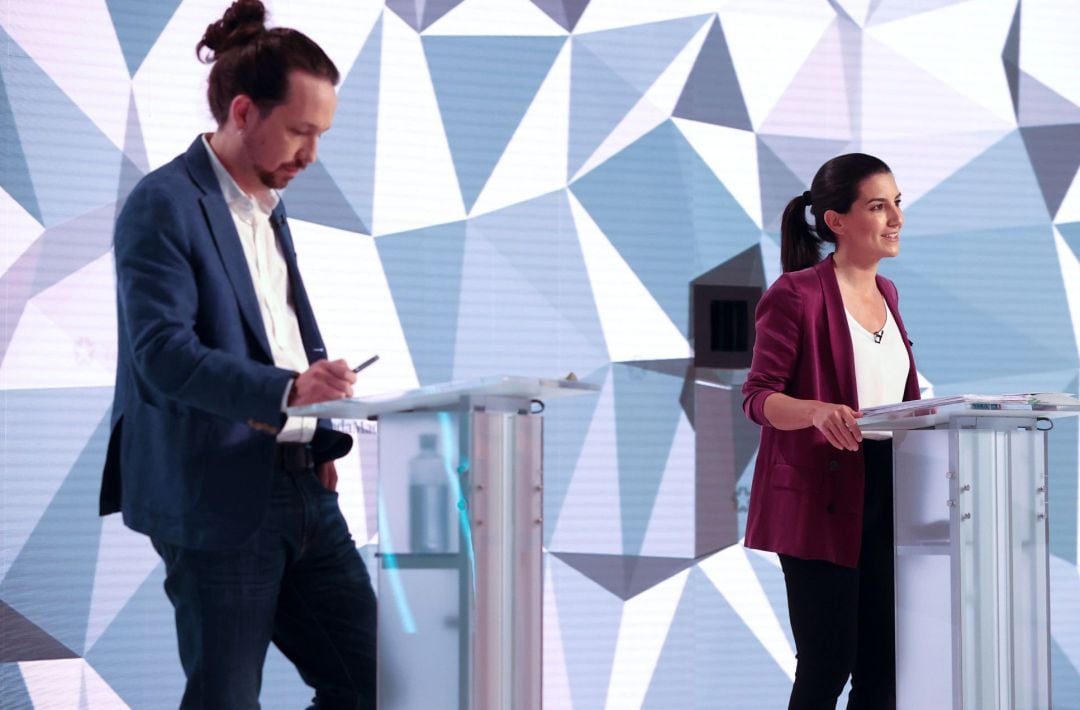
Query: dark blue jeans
[299,583]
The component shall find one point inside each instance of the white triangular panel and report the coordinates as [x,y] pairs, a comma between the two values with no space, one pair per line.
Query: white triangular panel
[534,162]
[349,291]
[936,106]
[654,107]
[507,18]
[1048,47]
[671,530]
[612,14]
[124,560]
[66,336]
[646,619]
[956,44]
[53,684]
[589,520]
[415,181]
[20,230]
[823,111]
[98,81]
[730,572]
[171,94]
[732,156]
[922,161]
[635,326]
[340,28]
[43,355]
[768,43]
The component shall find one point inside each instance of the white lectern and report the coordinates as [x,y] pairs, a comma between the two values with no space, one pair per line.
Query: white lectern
[460,510]
[972,591]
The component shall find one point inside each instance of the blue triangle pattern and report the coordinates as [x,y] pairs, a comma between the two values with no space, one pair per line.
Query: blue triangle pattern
[1001,203]
[61,145]
[712,93]
[423,269]
[650,200]
[589,619]
[15,175]
[348,151]
[144,629]
[640,53]
[979,318]
[46,577]
[1070,232]
[607,78]
[710,654]
[138,24]
[501,289]
[1065,687]
[539,239]
[647,412]
[315,197]
[16,696]
[484,85]
[566,424]
[778,185]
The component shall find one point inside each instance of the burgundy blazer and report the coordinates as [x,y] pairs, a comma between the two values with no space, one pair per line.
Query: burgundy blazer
[807,496]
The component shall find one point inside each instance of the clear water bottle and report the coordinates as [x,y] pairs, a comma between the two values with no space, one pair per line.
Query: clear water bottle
[429,500]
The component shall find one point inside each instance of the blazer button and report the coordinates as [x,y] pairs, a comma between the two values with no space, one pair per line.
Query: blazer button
[830,509]
[834,465]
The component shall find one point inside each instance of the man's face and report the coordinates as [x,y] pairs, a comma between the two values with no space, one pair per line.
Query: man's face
[283,143]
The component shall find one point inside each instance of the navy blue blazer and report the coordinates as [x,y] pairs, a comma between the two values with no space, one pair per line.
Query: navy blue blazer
[191,454]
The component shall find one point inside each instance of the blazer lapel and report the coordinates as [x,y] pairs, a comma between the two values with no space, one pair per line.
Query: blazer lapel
[223,230]
[839,333]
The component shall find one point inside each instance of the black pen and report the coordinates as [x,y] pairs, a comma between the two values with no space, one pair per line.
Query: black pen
[370,361]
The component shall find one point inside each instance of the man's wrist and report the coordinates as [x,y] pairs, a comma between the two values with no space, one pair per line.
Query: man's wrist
[286,398]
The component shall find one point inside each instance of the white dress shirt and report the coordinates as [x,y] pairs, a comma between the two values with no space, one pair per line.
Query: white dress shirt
[270,276]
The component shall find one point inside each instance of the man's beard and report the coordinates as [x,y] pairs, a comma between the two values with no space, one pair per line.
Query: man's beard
[273,180]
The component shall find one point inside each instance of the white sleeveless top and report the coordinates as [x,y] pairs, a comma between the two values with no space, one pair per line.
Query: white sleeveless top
[881,365]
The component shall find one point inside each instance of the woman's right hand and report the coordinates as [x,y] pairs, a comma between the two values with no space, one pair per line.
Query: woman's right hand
[837,423]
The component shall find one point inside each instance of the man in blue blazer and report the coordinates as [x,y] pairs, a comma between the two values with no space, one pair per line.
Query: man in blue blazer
[216,338]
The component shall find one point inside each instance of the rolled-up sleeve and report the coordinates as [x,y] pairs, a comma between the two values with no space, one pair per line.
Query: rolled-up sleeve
[776,347]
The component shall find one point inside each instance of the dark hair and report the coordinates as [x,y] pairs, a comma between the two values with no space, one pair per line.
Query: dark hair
[252,60]
[835,187]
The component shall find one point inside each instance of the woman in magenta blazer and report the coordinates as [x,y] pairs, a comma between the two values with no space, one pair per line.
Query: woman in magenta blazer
[830,340]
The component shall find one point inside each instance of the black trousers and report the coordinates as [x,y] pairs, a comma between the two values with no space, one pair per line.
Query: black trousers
[842,618]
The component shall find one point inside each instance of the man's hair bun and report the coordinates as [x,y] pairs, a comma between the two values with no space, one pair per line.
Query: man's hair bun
[241,23]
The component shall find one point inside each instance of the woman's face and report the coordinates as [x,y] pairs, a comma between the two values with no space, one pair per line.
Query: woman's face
[870,230]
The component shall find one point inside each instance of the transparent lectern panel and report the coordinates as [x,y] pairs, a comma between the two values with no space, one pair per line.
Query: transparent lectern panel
[924,621]
[419,486]
[1028,583]
[424,576]
[1003,569]
[419,642]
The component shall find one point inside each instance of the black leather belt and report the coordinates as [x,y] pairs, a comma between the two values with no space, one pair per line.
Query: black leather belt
[295,458]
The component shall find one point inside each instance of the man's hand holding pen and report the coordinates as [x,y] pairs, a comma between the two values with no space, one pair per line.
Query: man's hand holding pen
[326,380]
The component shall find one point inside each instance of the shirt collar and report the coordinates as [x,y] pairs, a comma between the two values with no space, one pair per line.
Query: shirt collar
[237,199]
